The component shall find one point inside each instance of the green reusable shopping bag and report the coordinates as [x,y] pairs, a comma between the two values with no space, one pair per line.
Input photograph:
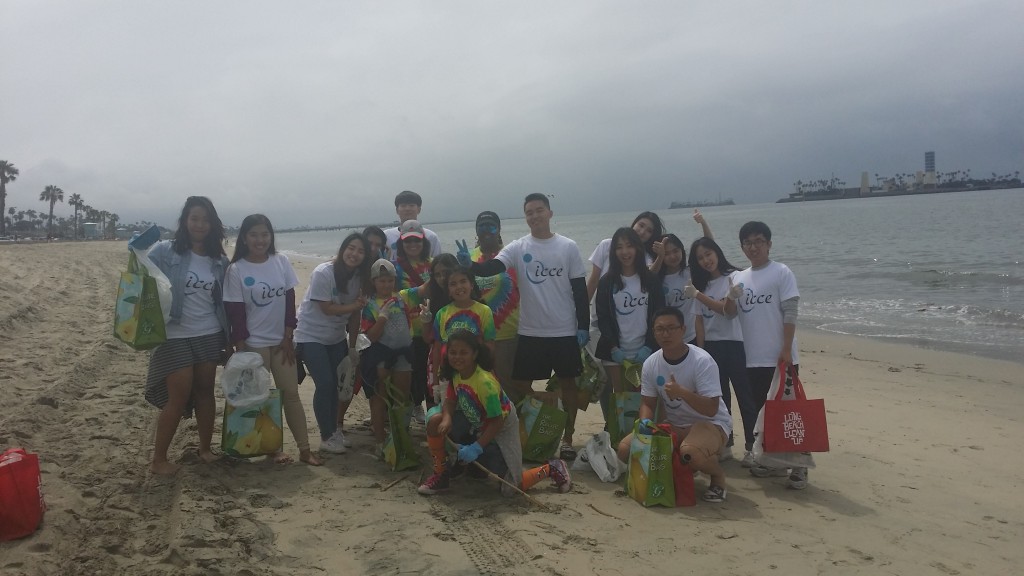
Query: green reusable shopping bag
[540,429]
[251,431]
[399,451]
[138,318]
[650,481]
[624,409]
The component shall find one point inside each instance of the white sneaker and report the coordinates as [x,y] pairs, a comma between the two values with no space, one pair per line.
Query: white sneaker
[340,437]
[333,445]
[748,459]
[725,454]
[798,478]
[418,415]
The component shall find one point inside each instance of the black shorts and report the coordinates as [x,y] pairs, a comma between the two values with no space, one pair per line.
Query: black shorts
[537,357]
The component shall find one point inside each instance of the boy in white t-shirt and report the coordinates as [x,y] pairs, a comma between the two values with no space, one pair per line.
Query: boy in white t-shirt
[407,206]
[766,299]
[684,379]
[553,308]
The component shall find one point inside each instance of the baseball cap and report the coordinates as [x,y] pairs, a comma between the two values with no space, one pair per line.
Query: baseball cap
[488,219]
[380,268]
[410,229]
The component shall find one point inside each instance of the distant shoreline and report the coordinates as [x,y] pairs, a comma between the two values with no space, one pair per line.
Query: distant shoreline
[845,195]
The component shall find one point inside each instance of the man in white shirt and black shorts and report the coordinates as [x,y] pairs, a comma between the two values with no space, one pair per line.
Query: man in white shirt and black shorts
[554,313]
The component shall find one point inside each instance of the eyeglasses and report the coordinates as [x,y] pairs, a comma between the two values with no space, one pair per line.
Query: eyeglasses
[754,243]
[666,330]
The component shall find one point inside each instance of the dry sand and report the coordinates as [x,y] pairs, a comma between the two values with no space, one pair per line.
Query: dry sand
[922,477]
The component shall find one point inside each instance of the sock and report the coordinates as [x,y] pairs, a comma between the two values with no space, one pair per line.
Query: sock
[534,475]
[436,444]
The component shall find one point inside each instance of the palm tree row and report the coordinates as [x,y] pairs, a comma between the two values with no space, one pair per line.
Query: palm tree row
[29,220]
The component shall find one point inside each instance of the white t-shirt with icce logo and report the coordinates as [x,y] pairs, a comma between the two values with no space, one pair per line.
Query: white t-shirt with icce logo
[698,373]
[544,268]
[631,313]
[263,288]
[759,310]
[673,285]
[198,312]
[718,327]
[314,325]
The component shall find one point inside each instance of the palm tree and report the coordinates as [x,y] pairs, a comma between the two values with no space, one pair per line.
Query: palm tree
[8,173]
[51,194]
[76,201]
[112,223]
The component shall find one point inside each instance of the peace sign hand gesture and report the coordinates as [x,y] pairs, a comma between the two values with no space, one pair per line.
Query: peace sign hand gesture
[463,253]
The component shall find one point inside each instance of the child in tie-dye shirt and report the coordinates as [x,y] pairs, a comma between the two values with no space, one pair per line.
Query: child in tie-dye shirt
[479,420]
[465,312]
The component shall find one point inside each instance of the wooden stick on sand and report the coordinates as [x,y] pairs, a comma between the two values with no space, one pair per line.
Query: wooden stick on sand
[502,480]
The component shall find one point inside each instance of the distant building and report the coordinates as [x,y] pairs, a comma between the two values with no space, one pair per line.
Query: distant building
[929,169]
[91,230]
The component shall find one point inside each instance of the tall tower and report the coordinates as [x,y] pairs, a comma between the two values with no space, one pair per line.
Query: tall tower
[929,168]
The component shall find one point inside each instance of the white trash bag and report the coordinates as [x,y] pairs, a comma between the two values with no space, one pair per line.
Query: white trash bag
[245,381]
[346,379]
[600,455]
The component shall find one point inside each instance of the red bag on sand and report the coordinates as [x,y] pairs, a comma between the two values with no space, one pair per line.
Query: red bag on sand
[21,501]
[682,474]
[794,423]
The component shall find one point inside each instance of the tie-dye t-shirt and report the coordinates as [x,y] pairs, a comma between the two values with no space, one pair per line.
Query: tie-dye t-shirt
[479,397]
[410,275]
[477,319]
[413,297]
[397,333]
[501,294]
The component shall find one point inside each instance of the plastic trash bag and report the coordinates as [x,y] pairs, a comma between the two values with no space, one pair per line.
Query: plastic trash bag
[600,456]
[245,381]
[346,379]
[142,245]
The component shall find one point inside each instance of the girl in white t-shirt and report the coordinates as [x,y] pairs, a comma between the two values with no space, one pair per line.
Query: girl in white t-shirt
[259,296]
[627,298]
[328,325]
[675,277]
[648,228]
[719,334]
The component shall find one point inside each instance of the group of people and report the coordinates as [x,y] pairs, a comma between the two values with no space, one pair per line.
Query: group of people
[462,337]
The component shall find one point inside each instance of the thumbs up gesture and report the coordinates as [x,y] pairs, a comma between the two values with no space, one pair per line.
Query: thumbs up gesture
[672,389]
[690,291]
[735,291]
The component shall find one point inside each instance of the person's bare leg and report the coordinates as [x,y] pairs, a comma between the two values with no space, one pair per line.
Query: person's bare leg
[570,401]
[179,389]
[204,378]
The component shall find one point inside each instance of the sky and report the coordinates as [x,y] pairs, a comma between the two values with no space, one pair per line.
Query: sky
[319,113]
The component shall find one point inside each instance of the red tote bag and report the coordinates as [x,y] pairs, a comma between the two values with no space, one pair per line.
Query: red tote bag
[21,499]
[794,424]
[682,474]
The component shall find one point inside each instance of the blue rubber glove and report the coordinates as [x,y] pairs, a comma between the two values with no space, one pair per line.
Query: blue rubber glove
[618,355]
[469,453]
[642,353]
[646,426]
[582,337]
[463,254]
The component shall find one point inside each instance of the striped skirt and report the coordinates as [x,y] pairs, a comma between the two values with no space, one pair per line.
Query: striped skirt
[177,354]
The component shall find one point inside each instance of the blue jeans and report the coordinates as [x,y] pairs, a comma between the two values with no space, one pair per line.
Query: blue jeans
[732,366]
[321,362]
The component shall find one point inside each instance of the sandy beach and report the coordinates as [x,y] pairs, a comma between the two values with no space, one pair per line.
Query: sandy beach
[921,479]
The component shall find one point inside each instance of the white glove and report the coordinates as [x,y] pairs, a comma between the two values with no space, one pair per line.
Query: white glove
[690,291]
[734,291]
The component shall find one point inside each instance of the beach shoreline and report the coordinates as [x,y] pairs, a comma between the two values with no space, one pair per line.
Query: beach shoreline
[922,476]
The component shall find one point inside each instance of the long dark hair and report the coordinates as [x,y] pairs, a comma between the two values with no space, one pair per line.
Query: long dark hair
[342,273]
[658,230]
[213,244]
[615,267]
[698,275]
[376,231]
[438,294]
[250,222]
[675,241]
[474,341]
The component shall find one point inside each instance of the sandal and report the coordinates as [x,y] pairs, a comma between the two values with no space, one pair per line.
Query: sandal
[714,494]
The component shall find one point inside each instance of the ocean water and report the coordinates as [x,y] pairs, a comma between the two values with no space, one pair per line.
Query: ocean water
[941,271]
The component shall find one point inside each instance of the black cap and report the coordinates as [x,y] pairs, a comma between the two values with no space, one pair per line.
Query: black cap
[488,217]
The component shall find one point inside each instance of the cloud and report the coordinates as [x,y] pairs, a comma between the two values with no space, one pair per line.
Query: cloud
[320,113]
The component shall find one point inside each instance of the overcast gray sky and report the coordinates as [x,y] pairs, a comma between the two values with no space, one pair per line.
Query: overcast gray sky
[320,112]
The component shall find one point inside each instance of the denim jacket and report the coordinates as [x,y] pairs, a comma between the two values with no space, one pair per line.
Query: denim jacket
[175,267]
